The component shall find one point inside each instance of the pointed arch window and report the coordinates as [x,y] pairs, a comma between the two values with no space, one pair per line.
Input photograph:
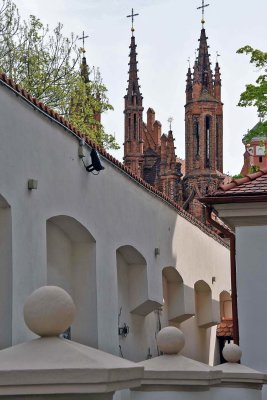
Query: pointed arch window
[207,141]
[196,136]
[135,126]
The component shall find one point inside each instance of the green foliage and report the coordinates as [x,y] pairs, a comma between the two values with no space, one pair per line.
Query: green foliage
[237,176]
[46,64]
[254,168]
[256,94]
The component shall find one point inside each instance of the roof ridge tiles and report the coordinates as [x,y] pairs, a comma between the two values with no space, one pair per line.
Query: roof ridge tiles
[57,117]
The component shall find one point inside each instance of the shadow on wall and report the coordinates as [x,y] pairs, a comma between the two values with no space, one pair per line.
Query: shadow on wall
[6,274]
[135,309]
[178,298]
[71,264]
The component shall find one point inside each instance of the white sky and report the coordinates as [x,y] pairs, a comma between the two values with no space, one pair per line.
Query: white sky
[167,33]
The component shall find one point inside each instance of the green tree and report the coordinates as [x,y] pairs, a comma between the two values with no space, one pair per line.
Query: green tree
[256,94]
[47,64]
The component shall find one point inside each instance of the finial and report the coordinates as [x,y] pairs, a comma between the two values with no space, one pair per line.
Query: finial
[217,55]
[82,38]
[188,60]
[203,7]
[170,340]
[170,119]
[132,16]
[232,353]
[49,311]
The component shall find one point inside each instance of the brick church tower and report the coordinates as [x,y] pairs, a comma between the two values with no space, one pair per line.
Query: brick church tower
[147,152]
[203,130]
[133,117]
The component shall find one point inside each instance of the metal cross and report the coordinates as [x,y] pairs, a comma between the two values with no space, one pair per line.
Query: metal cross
[170,119]
[132,16]
[203,7]
[217,55]
[82,38]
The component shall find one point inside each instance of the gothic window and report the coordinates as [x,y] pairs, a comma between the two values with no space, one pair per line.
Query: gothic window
[135,126]
[196,136]
[207,140]
[129,128]
[217,141]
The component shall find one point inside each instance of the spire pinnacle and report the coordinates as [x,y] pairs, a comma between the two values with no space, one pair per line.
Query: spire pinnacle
[82,38]
[203,15]
[132,15]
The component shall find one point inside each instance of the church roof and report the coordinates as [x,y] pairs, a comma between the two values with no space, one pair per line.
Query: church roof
[59,119]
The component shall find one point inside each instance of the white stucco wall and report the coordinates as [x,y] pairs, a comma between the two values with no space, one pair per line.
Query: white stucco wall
[115,212]
[251,263]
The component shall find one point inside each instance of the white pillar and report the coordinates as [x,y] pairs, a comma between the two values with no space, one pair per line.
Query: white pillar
[238,381]
[172,376]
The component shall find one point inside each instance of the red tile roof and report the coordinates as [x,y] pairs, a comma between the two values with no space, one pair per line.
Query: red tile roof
[250,185]
[58,118]
[225,328]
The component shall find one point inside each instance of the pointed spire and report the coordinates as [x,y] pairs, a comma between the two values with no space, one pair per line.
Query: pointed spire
[133,96]
[203,62]
[85,70]
[217,82]
[217,75]
[189,85]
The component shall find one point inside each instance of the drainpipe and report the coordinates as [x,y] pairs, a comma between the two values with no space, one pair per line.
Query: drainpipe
[231,236]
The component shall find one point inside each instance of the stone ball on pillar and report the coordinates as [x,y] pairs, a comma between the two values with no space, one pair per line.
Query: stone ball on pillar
[49,311]
[170,340]
[232,353]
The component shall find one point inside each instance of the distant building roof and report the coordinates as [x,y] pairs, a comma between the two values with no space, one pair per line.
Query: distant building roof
[250,188]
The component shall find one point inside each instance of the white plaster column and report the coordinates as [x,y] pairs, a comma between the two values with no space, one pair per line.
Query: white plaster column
[172,376]
[107,296]
[238,381]
[28,256]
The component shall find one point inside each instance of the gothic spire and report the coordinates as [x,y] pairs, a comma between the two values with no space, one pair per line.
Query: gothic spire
[84,66]
[133,95]
[84,70]
[203,62]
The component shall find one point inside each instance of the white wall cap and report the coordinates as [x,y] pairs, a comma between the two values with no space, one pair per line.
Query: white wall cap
[234,372]
[55,365]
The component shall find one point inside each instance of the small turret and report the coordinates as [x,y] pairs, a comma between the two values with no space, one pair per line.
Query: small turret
[189,85]
[217,82]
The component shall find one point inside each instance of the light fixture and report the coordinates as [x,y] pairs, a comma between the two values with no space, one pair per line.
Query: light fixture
[32,184]
[123,330]
[95,159]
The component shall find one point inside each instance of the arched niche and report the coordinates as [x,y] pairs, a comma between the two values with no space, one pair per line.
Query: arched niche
[71,264]
[132,266]
[226,306]
[134,305]
[6,274]
[178,299]
[207,310]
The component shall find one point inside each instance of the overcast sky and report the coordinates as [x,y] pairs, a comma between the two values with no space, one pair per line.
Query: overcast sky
[167,33]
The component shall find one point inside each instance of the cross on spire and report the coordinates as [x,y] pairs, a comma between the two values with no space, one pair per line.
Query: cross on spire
[202,8]
[170,119]
[82,38]
[132,16]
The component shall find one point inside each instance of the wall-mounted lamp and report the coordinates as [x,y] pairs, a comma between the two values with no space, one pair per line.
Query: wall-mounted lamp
[213,279]
[123,330]
[32,184]
[157,251]
[96,162]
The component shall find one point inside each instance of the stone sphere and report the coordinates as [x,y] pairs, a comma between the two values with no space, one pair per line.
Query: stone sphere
[232,353]
[170,340]
[49,311]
